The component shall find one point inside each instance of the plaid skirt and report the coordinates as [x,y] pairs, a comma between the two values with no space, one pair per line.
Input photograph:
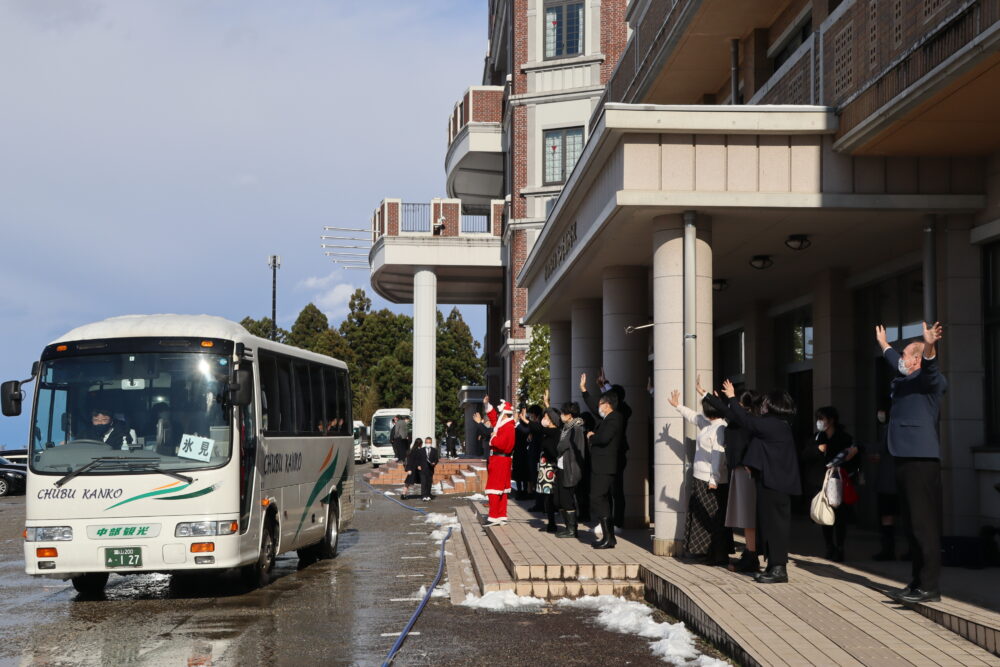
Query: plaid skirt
[706,534]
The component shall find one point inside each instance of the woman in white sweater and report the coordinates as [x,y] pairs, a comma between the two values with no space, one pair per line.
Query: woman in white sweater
[706,535]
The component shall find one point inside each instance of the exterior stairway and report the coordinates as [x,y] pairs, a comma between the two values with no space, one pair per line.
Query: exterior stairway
[451,476]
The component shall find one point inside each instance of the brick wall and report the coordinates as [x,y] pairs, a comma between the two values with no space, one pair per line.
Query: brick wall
[392,215]
[487,106]
[614,35]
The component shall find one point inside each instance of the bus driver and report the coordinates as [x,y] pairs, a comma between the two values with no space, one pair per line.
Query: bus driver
[105,429]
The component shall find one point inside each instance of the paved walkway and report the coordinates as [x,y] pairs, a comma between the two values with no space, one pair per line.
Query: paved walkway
[829,614]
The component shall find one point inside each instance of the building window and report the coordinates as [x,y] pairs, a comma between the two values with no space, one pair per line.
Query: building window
[562,150]
[563,29]
[799,36]
[730,358]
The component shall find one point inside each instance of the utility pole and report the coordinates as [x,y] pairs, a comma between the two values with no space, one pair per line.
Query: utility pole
[274,262]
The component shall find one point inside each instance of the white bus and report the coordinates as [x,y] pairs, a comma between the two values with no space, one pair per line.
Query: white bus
[361,446]
[173,443]
[381,427]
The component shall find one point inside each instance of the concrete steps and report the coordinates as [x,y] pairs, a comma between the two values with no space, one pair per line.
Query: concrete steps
[459,476]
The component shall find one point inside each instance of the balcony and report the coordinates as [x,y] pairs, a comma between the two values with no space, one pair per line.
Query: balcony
[463,249]
[474,162]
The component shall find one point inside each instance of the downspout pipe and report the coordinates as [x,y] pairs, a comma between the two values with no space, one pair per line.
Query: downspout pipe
[930,269]
[690,331]
[734,71]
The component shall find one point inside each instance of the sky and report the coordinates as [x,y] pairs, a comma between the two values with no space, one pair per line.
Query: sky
[153,154]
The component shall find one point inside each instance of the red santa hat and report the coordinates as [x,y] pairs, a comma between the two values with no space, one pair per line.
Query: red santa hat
[506,408]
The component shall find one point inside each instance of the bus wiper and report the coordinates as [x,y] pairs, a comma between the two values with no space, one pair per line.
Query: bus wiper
[94,463]
[153,465]
[150,464]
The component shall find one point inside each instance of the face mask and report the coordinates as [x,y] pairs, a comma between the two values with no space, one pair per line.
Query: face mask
[603,412]
[880,417]
[820,425]
[902,367]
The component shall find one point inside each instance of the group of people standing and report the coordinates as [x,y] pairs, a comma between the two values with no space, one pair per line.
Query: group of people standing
[746,467]
[573,461]
[419,463]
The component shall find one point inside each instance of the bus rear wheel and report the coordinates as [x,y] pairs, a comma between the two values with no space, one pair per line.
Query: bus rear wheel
[331,538]
[91,584]
[258,574]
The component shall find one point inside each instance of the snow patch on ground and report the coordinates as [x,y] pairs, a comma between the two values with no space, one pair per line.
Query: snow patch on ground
[388,493]
[439,591]
[443,522]
[500,600]
[672,642]
[442,533]
[476,496]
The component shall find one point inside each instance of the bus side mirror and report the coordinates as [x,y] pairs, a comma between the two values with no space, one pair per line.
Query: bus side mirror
[10,398]
[241,389]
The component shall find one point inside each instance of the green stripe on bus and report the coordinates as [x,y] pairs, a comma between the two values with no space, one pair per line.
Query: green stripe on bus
[317,488]
[193,494]
[147,495]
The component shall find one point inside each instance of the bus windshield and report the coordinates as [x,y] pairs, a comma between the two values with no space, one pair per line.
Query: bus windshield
[165,408]
[381,426]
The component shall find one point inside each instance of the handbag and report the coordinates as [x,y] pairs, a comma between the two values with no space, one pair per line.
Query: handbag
[850,491]
[820,510]
[546,476]
[833,486]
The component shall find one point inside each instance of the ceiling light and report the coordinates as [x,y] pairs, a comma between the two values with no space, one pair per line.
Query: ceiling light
[798,241]
[761,262]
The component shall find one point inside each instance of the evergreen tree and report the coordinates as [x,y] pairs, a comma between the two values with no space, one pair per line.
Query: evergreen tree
[309,326]
[262,328]
[535,369]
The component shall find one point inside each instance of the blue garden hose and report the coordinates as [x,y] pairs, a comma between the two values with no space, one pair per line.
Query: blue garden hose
[423,603]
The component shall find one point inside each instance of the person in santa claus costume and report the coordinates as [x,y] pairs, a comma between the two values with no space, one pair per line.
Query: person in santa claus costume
[499,467]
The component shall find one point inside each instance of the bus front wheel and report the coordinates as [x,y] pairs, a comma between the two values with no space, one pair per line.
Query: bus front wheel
[258,574]
[90,584]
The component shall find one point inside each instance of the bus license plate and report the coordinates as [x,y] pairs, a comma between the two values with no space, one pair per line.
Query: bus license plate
[123,557]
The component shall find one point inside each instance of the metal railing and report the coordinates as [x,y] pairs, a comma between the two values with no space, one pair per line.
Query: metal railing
[475,224]
[415,218]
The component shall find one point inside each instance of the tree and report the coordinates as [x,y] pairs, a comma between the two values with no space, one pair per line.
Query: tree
[458,363]
[262,328]
[309,326]
[535,369]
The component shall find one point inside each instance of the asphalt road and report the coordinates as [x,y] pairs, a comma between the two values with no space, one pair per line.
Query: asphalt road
[338,612]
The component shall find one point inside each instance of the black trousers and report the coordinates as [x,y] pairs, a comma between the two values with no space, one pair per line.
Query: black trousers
[601,490]
[426,481]
[565,496]
[774,524]
[919,485]
[835,535]
[618,498]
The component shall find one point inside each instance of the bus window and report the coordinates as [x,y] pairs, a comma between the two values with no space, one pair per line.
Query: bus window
[303,399]
[321,425]
[270,418]
[286,424]
[344,400]
[334,417]
[52,403]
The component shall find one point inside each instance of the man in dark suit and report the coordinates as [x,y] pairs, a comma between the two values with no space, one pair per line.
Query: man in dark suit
[913,442]
[618,495]
[605,449]
[427,459]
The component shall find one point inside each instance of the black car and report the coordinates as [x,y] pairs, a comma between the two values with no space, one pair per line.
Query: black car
[12,476]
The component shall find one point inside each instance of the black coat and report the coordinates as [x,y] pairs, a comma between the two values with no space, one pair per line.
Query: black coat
[771,451]
[570,447]
[606,444]
[814,461]
[424,460]
[114,434]
[624,409]
[550,442]
[916,407]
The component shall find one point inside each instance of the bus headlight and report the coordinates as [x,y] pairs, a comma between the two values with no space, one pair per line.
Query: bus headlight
[48,534]
[202,528]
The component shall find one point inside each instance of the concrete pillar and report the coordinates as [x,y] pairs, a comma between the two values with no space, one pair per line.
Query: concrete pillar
[585,345]
[833,345]
[671,452]
[424,351]
[559,363]
[968,494]
[624,304]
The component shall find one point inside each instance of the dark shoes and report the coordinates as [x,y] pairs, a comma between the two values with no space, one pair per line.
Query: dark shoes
[776,574]
[569,518]
[608,540]
[910,595]
[551,527]
[748,562]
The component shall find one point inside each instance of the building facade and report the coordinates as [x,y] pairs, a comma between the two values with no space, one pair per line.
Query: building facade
[763,183]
